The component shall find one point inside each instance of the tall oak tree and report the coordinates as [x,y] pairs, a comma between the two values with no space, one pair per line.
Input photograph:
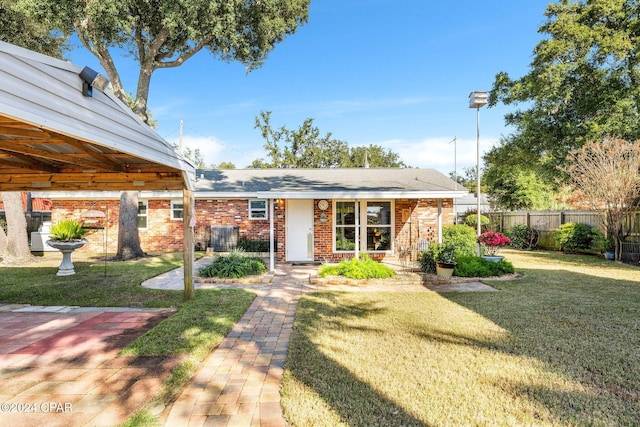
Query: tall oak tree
[164,34]
[583,84]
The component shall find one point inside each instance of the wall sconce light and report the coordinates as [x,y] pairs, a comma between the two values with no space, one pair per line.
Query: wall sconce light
[90,79]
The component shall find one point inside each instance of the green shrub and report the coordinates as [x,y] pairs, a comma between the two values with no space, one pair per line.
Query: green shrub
[473,266]
[599,243]
[462,237]
[364,268]
[232,266]
[472,220]
[256,245]
[427,261]
[444,252]
[575,237]
[522,237]
[68,230]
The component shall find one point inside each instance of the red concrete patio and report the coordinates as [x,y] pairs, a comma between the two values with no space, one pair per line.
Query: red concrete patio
[59,366]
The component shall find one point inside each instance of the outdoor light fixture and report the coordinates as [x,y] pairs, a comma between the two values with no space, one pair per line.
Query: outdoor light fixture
[478,100]
[90,79]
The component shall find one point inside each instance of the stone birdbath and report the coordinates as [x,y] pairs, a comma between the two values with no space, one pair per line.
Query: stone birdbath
[67,236]
[67,248]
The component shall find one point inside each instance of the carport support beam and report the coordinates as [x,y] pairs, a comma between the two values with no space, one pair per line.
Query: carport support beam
[188,220]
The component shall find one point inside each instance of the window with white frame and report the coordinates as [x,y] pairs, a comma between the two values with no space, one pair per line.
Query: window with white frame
[177,209]
[378,226]
[375,222]
[142,213]
[345,226]
[258,209]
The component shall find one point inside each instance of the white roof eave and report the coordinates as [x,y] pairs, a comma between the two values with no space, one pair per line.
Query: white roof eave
[360,194]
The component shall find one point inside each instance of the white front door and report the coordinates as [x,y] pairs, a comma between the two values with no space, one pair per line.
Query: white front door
[299,239]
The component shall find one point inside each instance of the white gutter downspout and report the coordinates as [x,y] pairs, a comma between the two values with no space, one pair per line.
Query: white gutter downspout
[272,264]
[439,220]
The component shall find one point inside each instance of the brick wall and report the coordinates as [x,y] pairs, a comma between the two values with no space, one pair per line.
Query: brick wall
[235,212]
[323,233]
[162,233]
[413,219]
[74,209]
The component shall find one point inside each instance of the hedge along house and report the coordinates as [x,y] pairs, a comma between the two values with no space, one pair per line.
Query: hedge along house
[299,215]
[60,131]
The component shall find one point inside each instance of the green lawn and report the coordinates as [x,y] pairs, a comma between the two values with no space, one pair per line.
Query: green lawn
[37,283]
[560,346]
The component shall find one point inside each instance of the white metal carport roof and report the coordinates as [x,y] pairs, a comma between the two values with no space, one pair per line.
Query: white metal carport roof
[55,138]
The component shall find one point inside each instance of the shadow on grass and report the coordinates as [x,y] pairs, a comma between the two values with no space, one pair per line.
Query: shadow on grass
[581,327]
[354,401]
[576,259]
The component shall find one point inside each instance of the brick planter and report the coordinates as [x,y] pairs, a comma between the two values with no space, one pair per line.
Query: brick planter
[249,280]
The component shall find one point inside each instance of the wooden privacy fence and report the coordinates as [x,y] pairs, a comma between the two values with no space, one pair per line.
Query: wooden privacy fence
[547,222]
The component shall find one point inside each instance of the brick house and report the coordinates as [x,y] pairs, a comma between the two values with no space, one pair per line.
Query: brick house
[308,214]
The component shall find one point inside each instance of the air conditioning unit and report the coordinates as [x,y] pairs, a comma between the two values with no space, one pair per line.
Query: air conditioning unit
[224,238]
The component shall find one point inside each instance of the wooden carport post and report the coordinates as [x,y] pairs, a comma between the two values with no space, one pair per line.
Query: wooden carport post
[188,256]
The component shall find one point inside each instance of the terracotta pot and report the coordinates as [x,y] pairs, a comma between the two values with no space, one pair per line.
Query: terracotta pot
[445,269]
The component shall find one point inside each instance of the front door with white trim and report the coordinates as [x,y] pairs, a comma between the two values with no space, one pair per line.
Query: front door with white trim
[299,230]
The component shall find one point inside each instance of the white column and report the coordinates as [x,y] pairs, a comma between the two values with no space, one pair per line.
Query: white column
[272,264]
[439,220]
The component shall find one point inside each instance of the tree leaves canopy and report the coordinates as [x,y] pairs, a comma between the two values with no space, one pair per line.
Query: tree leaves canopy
[19,28]
[165,33]
[306,148]
[583,84]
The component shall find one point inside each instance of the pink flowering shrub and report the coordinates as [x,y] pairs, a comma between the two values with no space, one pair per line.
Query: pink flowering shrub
[492,241]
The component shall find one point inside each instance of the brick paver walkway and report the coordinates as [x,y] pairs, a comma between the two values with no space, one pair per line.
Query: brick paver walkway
[238,384]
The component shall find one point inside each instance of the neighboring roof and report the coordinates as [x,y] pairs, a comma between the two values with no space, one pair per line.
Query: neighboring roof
[326,183]
[469,202]
[38,204]
[54,138]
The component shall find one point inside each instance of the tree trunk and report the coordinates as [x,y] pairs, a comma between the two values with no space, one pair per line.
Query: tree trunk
[17,250]
[128,238]
[3,243]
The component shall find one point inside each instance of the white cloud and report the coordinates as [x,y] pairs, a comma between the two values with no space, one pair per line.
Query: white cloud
[215,151]
[439,153]
[210,147]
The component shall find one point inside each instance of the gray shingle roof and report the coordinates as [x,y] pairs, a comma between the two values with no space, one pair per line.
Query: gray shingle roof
[292,183]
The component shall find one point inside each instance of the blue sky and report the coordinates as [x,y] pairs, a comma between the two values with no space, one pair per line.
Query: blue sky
[392,73]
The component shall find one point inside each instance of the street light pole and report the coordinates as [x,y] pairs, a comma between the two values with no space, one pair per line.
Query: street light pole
[455,175]
[478,100]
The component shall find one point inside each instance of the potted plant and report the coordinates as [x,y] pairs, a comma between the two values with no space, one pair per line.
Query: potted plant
[609,249]
[67,236]
[445,255]
[491,243]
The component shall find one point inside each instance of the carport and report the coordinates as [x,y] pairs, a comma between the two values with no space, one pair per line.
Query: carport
[59,131]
